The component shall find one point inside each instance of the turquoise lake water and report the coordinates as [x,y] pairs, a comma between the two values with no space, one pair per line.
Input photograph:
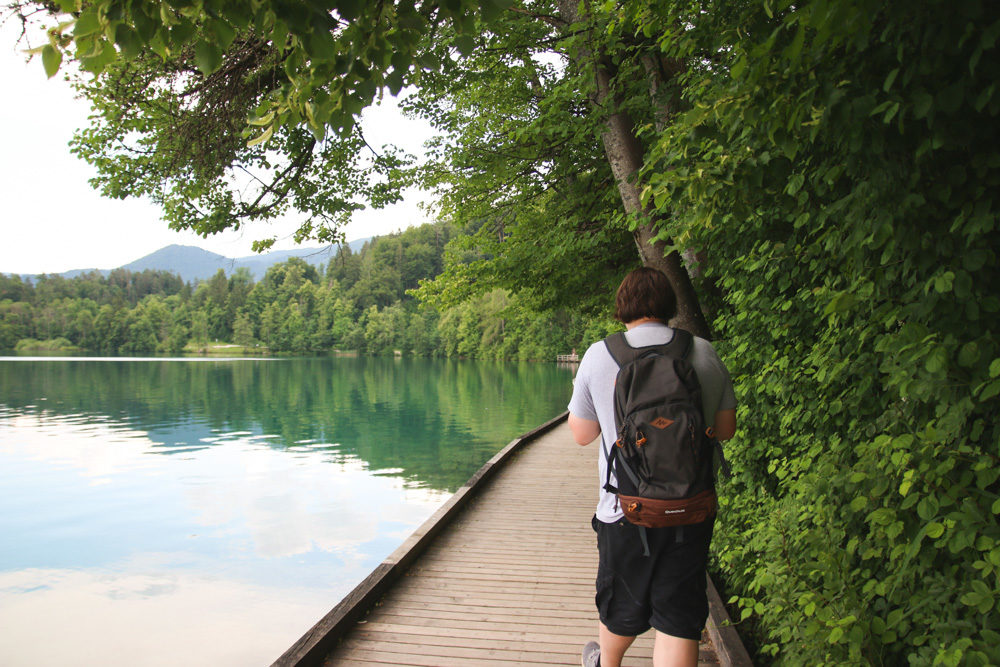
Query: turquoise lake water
[208,512]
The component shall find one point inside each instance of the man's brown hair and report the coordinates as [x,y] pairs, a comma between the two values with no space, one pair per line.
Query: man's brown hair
[645,292]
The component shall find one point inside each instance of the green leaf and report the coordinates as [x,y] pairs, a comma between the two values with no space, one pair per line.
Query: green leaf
[395,82]
[207,56]
[794,50]
[491,9]
[182,34]
[87,24]
[144,25]
[970,599]
[922,102]
[465,44]
[262,137]
[995,368]
[223,33]
[736,71]
[321,45]
[944,282]
[349,9]
[937,360]
[968,355]
[989,390]
[841,303]
[51,59]
[103,56]
[890,79]
[128,40]
[928,507]
[279,34]
[795,182]
[935,530]
[891,112]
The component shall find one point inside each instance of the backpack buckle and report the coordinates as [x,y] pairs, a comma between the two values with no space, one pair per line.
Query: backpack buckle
[640,439]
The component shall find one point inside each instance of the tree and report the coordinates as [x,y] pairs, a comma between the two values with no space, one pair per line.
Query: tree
[199,327]
[243,330]
[183,81]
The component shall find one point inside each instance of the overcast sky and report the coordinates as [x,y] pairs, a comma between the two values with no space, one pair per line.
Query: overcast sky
[51,220]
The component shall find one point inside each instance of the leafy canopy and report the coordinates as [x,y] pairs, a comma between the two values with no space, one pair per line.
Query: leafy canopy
[227,113]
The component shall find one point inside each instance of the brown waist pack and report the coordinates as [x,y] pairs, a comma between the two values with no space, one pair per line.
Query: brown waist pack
[653,513]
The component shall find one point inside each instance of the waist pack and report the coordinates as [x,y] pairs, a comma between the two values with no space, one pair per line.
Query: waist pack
[662,459]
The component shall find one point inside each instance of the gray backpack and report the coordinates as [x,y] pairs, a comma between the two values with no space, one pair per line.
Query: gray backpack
[663,456]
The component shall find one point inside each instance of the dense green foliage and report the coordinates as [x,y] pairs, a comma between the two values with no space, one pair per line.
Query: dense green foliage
[359,302]
[531,184]
[842,172]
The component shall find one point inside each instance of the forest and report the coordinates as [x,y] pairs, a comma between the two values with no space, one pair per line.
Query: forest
[817,179]
[359,302]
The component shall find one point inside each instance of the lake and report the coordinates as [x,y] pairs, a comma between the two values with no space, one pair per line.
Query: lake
[207,511]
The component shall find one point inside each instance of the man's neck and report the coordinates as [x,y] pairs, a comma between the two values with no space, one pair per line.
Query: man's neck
[645,320]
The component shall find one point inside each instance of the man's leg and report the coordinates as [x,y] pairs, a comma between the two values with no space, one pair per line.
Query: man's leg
[613,647]
[670,651]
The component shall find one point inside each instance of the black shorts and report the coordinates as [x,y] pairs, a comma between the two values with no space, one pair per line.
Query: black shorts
[665,590]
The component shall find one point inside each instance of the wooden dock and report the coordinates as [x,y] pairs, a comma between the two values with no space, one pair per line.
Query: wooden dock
[509,582]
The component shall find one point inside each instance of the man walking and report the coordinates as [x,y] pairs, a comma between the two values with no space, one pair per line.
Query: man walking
[665,589]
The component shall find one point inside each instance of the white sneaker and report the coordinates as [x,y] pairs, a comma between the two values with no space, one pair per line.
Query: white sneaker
[591,655]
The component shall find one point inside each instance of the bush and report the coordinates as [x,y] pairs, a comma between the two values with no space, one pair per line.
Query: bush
[843,179]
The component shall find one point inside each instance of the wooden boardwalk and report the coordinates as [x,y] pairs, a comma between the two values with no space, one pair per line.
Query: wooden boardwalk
[511,580]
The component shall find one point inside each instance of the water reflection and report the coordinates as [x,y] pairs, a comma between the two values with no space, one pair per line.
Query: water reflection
[150,508]
[435,422]
[128,618]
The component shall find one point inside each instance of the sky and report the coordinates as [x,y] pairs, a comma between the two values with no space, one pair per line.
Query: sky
[51,220]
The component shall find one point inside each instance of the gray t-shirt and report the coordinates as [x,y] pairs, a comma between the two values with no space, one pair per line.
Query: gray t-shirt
[594,390]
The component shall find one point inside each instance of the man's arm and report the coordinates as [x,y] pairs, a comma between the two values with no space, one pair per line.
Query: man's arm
[585,431]
[725,424]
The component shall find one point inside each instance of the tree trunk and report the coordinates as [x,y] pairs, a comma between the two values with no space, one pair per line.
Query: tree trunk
[625,155]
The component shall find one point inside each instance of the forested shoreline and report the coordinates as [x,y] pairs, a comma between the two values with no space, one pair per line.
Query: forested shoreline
[357,302]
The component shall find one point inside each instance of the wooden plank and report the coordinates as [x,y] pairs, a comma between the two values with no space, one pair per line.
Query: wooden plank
[434,609]
[562,626]
[728,645]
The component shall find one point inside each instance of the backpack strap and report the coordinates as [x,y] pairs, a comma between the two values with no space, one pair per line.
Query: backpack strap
[618,348]
[679,347]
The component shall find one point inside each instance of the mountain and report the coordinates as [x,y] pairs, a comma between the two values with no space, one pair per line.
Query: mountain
[193,263]
[190,262]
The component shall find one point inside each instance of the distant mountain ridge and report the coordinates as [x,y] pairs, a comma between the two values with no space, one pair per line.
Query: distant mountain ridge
[193,263]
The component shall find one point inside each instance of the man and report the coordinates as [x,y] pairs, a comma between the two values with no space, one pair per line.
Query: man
[665,590]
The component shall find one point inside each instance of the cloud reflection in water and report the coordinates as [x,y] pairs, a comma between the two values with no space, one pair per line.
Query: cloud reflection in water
[237,540]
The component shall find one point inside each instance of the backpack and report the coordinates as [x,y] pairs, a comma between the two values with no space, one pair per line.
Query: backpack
[663,456]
